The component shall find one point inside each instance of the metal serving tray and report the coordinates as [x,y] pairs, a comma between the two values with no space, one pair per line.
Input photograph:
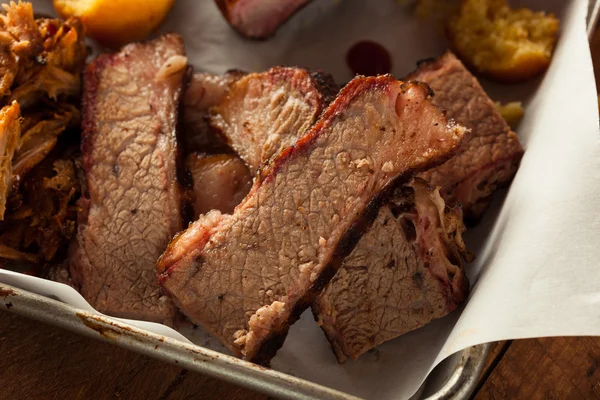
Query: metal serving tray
[455,378]
[459,384]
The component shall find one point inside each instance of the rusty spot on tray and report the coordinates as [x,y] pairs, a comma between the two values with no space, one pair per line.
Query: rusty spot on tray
[107,329]
[91,323]
[6,292]
[260,367]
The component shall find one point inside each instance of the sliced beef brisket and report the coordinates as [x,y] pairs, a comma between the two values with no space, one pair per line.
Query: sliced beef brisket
[246,277]
[258,19]
[264,113]
[404,272]
[132,208]
[221,182]
[491,156]
[350,312]
[405,278]
[205,91]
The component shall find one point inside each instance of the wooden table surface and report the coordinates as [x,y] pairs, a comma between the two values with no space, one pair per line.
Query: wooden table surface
[42,362]
[38,361]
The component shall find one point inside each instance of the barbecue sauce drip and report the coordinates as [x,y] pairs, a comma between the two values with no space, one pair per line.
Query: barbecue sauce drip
[369,58]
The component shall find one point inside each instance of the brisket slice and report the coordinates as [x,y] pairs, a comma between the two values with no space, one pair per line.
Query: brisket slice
[258,19]
[404,272]
[246,277]
[491,156]
[220,182]
[205,91]
[406,279]
[265,113]
[129,147]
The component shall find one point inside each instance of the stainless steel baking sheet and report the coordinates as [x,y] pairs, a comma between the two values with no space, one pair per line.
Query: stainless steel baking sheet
[462,378]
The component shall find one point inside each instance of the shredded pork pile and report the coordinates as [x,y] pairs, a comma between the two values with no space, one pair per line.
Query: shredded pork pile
[41,60]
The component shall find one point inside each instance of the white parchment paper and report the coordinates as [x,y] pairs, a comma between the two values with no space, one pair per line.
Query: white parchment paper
[537,271]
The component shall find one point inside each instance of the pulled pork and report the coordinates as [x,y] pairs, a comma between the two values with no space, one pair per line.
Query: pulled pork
[40,132]
[43,220]
[41,60]
[10,130]
[39,57]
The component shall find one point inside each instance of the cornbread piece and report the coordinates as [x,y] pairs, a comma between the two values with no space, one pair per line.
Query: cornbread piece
[511,112]
[501,43]
[114,23]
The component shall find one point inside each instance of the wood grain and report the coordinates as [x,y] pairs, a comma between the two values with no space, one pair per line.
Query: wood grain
[547,368]
[495,355]
[43,362]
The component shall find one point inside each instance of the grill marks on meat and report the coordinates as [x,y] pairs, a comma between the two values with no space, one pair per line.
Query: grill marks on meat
[246,277]
[258,19]
[129,154]
[491,156]
[265,113]
[220,182]
[404,272]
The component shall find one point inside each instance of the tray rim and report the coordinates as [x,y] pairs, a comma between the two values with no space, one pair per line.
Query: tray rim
[459,385]
[177,352]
